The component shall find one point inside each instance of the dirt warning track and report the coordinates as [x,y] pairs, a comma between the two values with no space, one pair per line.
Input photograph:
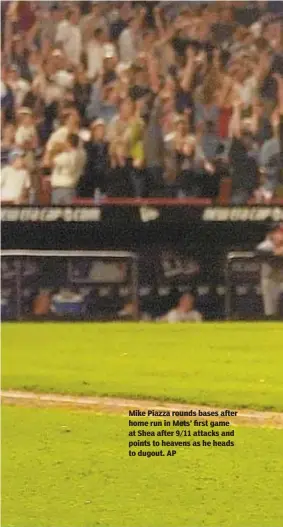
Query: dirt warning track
[114,405]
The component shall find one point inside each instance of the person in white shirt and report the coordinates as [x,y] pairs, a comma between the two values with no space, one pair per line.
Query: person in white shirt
[93,20]
[245,82]
[183,312]
[54,79]
[53,18]
[20,87]
[61,75]
[128,44]
[67,169]
[131,37]
[15,179]
[271,252]
[26,134]
[95,53]
[71,126]
[69,35]
[45,85]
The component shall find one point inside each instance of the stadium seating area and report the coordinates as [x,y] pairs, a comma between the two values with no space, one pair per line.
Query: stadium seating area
[141,99]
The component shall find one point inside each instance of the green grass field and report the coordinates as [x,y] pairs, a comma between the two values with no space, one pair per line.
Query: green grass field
[238,364]
[71,468]
[84,477]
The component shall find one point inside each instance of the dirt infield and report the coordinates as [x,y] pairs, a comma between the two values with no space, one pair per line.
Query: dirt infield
[120,405]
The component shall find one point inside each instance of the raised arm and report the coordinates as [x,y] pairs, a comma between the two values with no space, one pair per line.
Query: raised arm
[225,90]
[263,67]
[189,70]
[139,19]
[11,17]
[152,66]
[279,80]
[159,22]
[255,117]
[235,129]
[168,34]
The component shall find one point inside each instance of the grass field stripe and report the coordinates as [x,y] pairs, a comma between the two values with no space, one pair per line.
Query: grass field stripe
[116,404]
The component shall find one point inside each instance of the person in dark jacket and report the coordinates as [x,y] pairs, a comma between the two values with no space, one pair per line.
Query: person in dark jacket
[19,57]
[244,171]
[153,144]
[96,162]
[7,97]
[119,181]
[82,90]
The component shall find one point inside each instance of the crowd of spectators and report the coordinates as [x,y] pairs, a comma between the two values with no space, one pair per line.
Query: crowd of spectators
[138,99]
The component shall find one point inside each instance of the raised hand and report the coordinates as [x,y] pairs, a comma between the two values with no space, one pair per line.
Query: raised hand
[190,53]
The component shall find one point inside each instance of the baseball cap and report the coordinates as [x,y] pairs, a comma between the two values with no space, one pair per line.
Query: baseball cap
[109,51]
[123,66]
[98,122]
[15,154]
[24,110]
[57,53]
